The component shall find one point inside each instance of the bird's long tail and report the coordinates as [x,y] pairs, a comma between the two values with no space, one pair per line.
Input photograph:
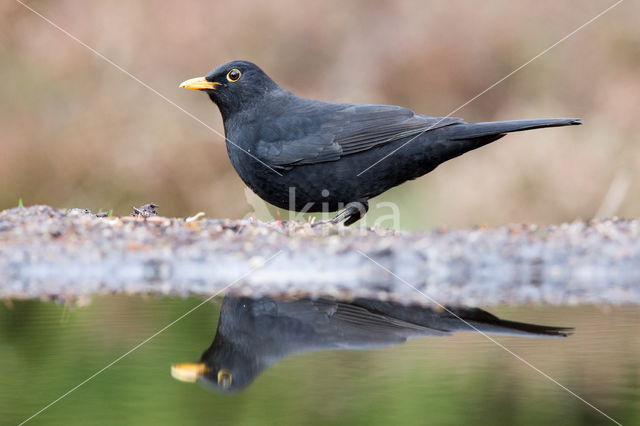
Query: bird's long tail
[476,319]
[454,319]
[499,128]
[464,137]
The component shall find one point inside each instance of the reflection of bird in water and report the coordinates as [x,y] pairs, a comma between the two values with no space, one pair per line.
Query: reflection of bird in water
[255,333]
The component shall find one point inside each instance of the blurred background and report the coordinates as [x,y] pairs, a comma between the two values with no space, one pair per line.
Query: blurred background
[77,132]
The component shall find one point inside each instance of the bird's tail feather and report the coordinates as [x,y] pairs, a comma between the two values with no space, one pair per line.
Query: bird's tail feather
[494,128]
[476,319]
[465,137]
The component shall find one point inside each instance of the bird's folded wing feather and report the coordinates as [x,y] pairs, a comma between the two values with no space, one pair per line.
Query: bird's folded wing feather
[338,130]
[366,320]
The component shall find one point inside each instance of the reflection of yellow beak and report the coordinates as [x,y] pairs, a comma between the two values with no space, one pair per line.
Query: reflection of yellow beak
[188,371]
[199,83]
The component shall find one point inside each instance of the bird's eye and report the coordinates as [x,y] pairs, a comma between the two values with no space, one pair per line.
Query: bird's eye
[234,75]
[224,377]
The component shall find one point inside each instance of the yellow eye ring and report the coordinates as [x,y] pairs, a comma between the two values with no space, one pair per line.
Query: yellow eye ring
[224,379]
[234,75]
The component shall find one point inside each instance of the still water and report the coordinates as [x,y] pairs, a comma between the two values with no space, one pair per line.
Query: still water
[277,362]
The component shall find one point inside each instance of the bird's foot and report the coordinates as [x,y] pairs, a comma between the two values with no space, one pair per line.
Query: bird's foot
[352,213]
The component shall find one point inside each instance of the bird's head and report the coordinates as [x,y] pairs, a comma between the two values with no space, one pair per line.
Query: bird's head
[234,86]
[226,366]
[219,379]
[235,377]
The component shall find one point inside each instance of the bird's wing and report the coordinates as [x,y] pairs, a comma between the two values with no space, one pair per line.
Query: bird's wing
[325,132]
[309,149]
[372,322]
[368,126]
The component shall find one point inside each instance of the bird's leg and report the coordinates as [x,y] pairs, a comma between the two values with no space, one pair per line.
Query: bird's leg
[352,213]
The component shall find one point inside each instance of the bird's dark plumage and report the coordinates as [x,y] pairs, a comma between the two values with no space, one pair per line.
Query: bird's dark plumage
[256,333]
[307,155]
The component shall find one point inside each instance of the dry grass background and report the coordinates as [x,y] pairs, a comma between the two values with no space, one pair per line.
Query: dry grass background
[77,132]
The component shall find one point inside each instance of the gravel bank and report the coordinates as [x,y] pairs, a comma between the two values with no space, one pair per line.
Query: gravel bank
[51,253]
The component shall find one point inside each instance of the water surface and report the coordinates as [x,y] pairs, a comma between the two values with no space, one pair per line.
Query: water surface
[47,349]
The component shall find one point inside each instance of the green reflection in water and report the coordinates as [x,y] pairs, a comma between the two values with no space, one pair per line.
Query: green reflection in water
[46,349]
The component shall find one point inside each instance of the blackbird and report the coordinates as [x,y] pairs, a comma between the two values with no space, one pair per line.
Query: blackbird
[314,156]
[254,333]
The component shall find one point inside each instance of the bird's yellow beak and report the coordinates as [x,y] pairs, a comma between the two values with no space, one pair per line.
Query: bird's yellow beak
[188,371]
[199,83]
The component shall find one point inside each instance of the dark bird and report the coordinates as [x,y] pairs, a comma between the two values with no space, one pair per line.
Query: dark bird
[313,156]
[256,333]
